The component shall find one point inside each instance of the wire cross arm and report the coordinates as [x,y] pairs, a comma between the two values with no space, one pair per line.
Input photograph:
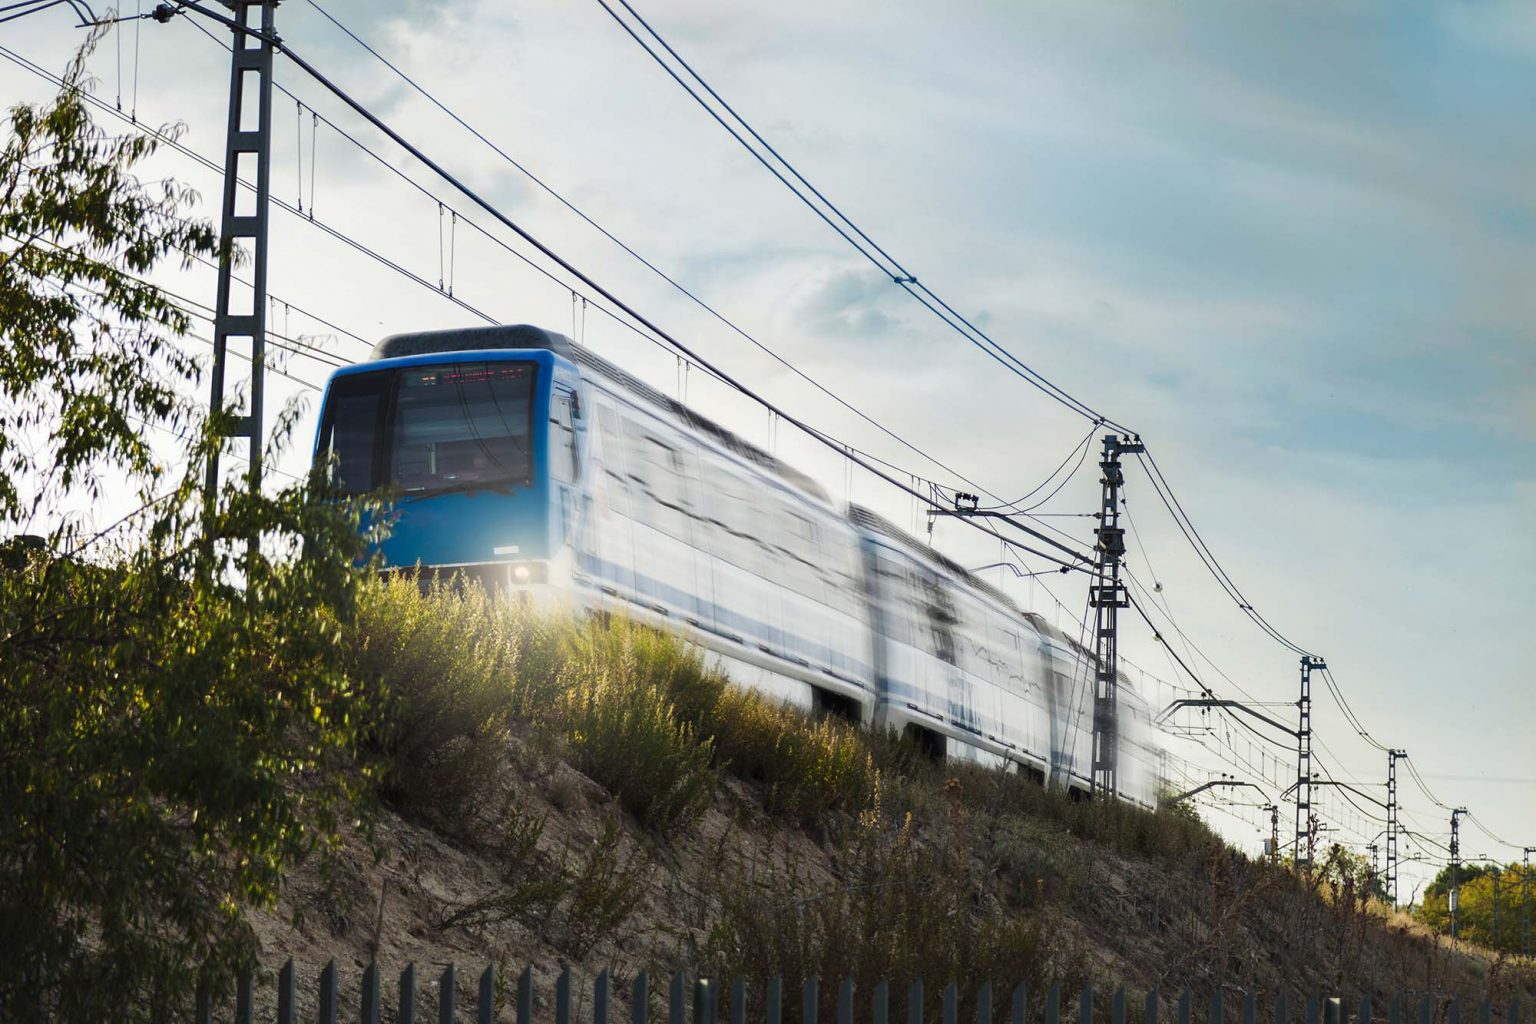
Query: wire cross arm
[1214,784]
[1342,785]
[1237,705]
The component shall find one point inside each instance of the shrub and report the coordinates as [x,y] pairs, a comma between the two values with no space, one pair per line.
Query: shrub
[902,910]
[622,730]
[444,668]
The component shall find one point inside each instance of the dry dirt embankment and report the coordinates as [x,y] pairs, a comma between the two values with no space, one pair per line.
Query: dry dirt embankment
[590,796]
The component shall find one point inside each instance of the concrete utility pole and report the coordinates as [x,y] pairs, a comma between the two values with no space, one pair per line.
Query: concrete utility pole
[247,153]
[1455,894]
[1304,819]
[1392,757]
[1107,596]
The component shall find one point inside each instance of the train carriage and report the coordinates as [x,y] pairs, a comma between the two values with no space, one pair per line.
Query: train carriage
[524,460]
[957,665]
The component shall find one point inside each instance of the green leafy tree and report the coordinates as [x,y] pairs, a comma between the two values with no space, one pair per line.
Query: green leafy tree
[1489,904]
[172,708]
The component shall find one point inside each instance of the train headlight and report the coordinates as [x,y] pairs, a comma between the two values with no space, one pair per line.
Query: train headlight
[524,573]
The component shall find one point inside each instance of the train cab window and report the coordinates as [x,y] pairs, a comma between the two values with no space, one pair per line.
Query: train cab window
[562,439]
[462,424]
[349,430]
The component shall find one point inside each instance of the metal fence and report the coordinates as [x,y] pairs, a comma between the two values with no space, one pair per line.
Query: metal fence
[711,1002]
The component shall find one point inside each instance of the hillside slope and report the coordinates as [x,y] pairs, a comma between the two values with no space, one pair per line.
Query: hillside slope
[554,794]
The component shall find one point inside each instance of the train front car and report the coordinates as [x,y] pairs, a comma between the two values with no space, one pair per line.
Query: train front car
[478,434]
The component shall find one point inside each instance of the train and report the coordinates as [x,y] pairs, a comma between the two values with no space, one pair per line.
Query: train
[520,458]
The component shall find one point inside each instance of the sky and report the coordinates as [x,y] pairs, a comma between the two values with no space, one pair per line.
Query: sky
[1287,243]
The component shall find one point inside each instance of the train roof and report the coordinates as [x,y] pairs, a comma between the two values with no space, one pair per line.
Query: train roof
[872,520]
[514,336]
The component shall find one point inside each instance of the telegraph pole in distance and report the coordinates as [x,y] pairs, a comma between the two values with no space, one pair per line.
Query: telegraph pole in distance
[247,149]
[1304,826]
[1455,894]
[1107,596]
[1496,872]
[1274,832]
[1525,901]
[1392,756]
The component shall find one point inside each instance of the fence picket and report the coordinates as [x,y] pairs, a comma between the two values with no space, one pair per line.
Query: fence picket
[1426,1015]
[1117,1006]
[1019,1011]
[810,995]
[951,1004]
[1053,1005]
[640,998]
[984,1003]
[739,1001]
[1184,1007]
[1514,1010]
[525,996]
[487,1013]
[368,1010]
[1216,1008]
[1085,1005]
[1250,1008]
[773,1001]
[287,992]
[1311,1009]
[203,1010]
[845,1002]
[1281,1017]
[600,998]
[1484,1012]
[915,1002]
[703,1009]
[1453,1016]
[407,1009]
[880,1001]
[244,1008]
[328,994]
[676,1011]
[445,987]
[1395,1010]
[563,997]
[1365,1008]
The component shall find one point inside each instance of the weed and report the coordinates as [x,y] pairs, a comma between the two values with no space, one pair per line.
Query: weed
[605,890]
[621,728]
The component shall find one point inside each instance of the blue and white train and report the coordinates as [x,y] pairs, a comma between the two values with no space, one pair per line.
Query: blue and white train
[530,462]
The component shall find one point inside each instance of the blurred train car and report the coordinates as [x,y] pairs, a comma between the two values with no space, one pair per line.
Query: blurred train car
[535,465]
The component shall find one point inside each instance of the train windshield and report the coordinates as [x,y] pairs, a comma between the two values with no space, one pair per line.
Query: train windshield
[429,429]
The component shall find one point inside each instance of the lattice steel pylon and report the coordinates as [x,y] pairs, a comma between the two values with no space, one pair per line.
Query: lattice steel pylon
[247,154]
[1392,826]
[1304,825]
[1107,595]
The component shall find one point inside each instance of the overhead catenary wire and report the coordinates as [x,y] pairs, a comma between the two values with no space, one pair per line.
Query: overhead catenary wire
[835,219]
[648,264]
